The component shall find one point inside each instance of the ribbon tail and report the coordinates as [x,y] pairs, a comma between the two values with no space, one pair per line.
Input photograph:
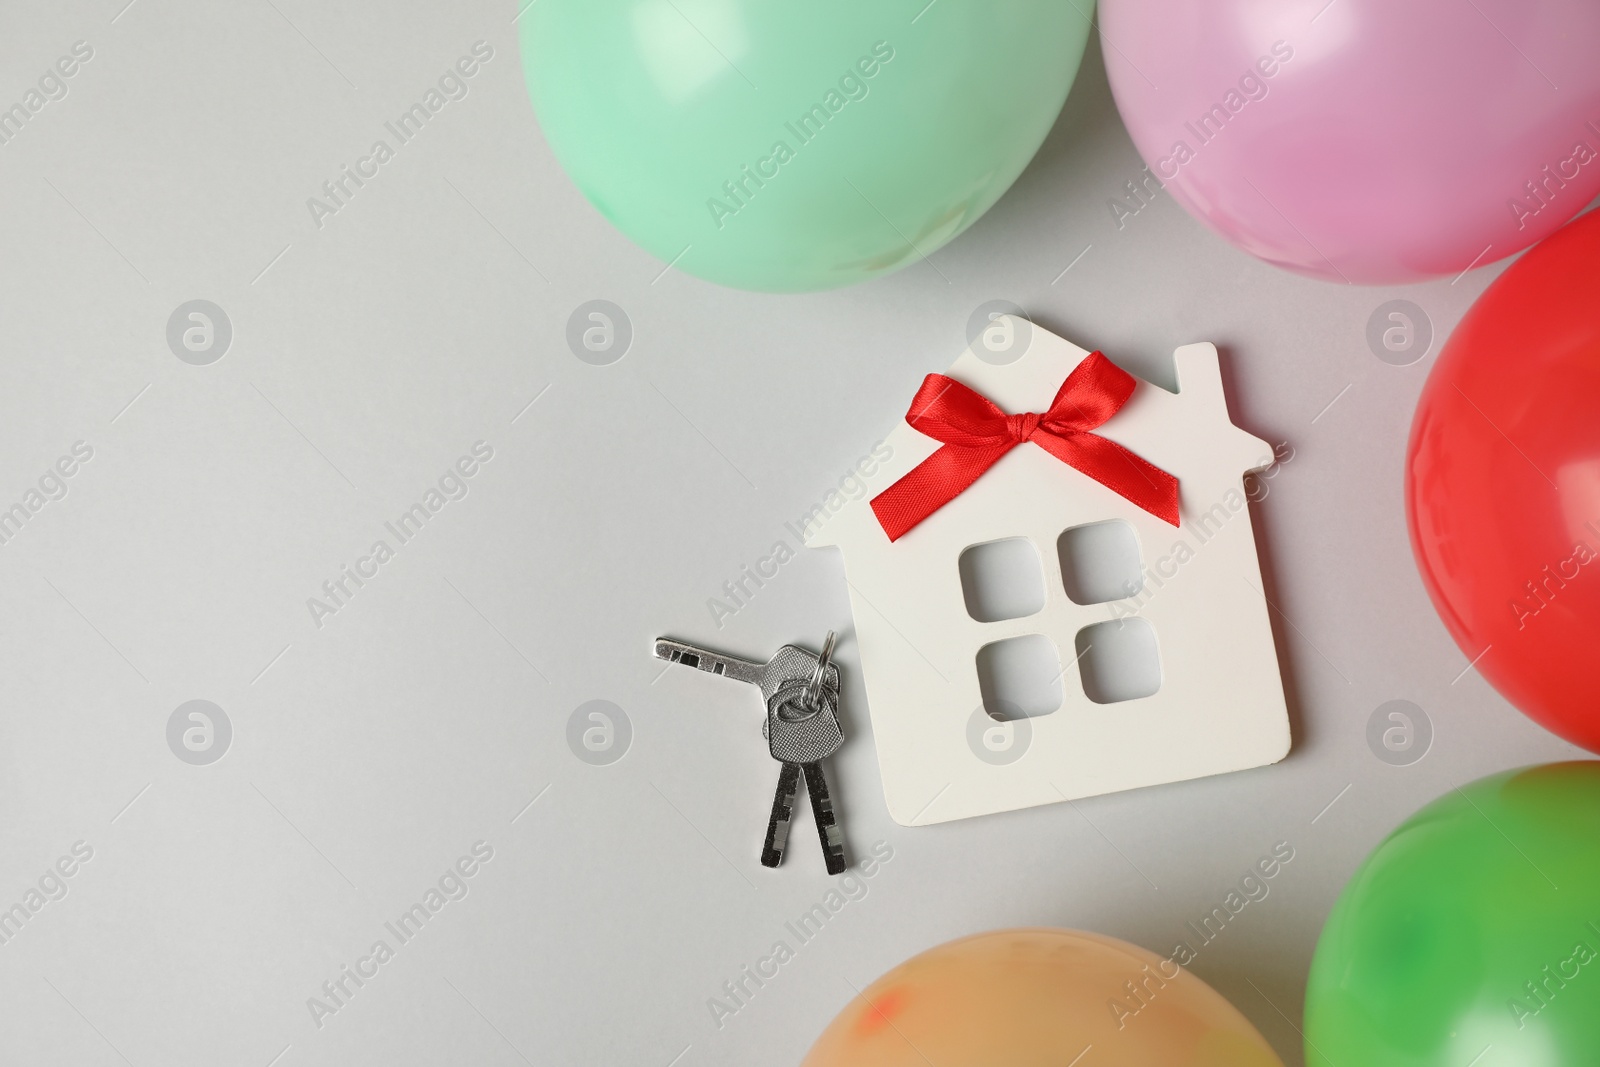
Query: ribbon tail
[1125,473]
[932,484]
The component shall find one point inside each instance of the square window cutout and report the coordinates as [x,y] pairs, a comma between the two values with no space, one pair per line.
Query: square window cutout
[1118,660]
[1100,562]
[1002,579]
[1019,677]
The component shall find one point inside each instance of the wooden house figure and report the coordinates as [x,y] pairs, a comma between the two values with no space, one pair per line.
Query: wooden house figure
[948,746]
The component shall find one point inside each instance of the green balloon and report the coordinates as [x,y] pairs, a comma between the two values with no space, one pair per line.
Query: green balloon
[783,145]
[1474,926]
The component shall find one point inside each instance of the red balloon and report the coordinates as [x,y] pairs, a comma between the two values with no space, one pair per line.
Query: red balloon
[1503,483]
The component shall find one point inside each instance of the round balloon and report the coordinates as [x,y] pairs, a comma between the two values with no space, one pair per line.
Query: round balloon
[1040,998]
[1471,935]
[786,146]
[1503,483]
[1364,141]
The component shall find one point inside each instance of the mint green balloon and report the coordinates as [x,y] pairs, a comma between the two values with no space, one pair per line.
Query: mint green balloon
[789,145]
[1474,926]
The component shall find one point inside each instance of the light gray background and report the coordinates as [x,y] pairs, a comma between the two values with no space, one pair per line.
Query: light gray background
[370,753]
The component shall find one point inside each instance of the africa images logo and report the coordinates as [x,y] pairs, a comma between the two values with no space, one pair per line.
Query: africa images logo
[452,885]
[805,128]
[453,484]
[454,84]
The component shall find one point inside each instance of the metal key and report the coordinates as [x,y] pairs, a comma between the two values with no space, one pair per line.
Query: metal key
[790,663]
[740,670]
[801,691]
[802,731]
[827,824]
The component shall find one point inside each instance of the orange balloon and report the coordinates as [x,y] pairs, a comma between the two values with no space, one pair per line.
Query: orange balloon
[1040,998]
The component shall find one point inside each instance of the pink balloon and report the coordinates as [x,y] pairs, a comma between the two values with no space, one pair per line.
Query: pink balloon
[1366,141]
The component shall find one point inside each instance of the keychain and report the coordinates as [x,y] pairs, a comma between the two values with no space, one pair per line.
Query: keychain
[801,691]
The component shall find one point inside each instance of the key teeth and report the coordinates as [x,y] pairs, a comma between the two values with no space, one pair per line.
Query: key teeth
[673,652]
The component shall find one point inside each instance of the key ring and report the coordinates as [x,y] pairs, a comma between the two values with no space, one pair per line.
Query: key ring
[813,692]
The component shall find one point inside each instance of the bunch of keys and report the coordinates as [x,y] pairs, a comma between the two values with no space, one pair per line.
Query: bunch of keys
[802,729]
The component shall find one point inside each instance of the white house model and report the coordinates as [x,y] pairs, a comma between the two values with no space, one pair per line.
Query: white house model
[952,744]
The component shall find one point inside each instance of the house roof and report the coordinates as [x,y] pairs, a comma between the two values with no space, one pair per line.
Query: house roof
[1185,433]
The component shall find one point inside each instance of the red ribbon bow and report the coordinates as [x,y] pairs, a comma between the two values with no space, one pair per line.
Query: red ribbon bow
[976,434]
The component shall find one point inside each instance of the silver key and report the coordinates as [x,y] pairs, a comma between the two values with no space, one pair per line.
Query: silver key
[789,664]
[827,823]
[802,731]
[740,670]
